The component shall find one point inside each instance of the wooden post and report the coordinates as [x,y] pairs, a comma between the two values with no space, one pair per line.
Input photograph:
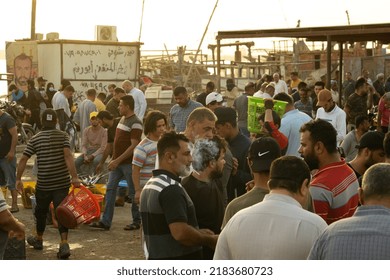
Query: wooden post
[329,61]
[33,14]
[340,77]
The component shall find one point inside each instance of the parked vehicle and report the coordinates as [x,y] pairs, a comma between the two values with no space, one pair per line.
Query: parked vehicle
[25,130]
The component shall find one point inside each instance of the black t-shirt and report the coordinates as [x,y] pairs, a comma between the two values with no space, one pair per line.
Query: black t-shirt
[6,123]
[208,201]
[111,131]
[201,98]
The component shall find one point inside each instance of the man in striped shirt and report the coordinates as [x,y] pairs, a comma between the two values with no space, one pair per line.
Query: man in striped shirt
[334,187]
[127,136]
[55,162]
[168,214]
[144,158]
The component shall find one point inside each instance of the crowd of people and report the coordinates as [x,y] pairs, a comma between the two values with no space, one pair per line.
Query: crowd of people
[311,184]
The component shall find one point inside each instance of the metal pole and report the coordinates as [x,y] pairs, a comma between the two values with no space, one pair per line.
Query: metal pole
[329,60]
[219,64]
[341,73]
[33,14]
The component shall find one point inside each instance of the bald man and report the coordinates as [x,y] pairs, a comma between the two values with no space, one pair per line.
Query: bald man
[329,111]
[140,103]
[280,85]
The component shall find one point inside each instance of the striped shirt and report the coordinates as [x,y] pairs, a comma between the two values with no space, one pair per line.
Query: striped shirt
[3,204]
[334,190]
[144,156]
[127,129]
[164,201]
[49,146]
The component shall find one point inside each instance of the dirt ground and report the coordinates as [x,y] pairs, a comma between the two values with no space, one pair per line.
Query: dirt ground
[86,243]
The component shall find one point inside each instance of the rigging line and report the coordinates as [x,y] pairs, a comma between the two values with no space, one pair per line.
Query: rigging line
[284,14]
[200,44]
[142,17]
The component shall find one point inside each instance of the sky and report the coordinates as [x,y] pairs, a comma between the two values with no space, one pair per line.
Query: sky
[172,23]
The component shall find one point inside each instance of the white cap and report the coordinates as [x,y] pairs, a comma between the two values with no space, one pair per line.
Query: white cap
[213,96]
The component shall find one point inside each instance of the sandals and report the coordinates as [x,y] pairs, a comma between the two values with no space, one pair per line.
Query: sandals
[132,227]
[14,209]
[99,225]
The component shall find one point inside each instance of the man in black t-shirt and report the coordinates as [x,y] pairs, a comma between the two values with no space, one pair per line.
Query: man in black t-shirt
[107,120]
[204,185]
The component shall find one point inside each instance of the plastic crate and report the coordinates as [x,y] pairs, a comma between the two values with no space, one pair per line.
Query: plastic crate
[256,108]
[28,191]
[4,191]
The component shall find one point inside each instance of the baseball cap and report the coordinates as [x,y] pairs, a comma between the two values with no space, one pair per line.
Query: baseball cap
[41,79]
[93,115]
[323,97]
[271,84]
[49,118]
[262,152]
[373,140]
[250,85]
[226,115]
[213,96]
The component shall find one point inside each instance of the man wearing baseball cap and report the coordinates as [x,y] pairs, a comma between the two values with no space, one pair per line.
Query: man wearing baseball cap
[262,152]
[55,164]
[93,144]
[370,152]
[277,228]
[214,100]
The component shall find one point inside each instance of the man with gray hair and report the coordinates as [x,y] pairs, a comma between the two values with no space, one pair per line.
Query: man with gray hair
[280,85]
[139,98]
[379,84]
[366,235]
[204,185]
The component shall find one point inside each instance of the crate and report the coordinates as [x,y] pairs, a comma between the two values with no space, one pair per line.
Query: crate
[152,92]
[165,94]
[164,101]
[256,108]
[4,191]
[28,190]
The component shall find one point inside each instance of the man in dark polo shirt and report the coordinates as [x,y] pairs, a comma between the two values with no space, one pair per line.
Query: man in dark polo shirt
[127,136]
[169,221]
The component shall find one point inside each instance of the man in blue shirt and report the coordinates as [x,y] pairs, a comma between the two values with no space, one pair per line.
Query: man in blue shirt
[292,121]
[181,110]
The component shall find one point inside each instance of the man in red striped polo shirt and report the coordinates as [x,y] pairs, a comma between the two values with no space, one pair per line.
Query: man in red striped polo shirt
[334,187]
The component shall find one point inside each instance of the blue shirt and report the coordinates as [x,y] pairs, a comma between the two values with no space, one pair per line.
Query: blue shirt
[179,115]
[290,125]
[364,236]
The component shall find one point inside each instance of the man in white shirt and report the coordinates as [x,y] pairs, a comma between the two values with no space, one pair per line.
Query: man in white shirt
[332,113]
[280,85]
[278,228]
[139,98]
[61,105]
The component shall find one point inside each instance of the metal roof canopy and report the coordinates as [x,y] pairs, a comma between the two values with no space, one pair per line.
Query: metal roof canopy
[340,34]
